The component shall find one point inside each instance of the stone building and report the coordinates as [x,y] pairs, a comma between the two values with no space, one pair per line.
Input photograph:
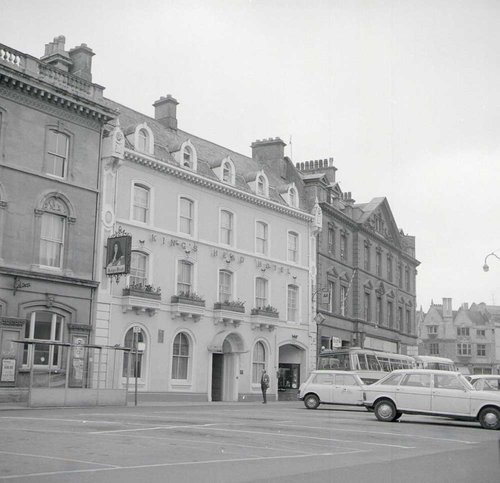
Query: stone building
[51,120]
[222,261]
[467,336]
[366,269]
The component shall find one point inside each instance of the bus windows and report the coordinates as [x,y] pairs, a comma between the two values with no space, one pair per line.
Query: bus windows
[343,362]
[362,362]
[373,364]
[384,363]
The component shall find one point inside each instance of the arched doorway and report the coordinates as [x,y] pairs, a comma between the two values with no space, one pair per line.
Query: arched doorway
[291,370]
[226,348]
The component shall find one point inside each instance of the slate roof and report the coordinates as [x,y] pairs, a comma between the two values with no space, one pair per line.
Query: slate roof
[209,154]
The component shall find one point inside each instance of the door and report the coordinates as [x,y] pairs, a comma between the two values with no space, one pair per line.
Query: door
[217,373]
[449,395]
[347,390]
[414,393]
[322,385]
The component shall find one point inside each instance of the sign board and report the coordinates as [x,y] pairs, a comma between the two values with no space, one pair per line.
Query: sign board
[319,318]
[336,342]
[136,329]
[325,297]
[118,255]
[8,370]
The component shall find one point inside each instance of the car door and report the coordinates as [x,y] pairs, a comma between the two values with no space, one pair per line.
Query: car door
[414,393]
[322,385]
[449,395]
[347,390]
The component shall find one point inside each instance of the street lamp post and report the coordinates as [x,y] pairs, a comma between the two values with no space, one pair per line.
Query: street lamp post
[485,266]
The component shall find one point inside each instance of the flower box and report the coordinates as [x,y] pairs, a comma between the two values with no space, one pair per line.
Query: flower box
[135,292]
[229,306]
[265,313]
[178,299]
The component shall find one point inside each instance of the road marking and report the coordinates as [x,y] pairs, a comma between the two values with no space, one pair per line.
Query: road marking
[385,434]
[58,458]
[154,428]
[182,463]
[287,435]
[66,420]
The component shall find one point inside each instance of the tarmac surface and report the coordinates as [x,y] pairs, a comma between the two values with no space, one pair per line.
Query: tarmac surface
[240,442]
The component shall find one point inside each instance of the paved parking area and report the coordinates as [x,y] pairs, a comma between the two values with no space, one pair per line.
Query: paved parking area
[240,442]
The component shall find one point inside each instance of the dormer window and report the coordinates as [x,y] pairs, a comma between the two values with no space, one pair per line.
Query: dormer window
[144,139]
[187,156]
[292,196]
[227,172]
[187,161]
[261,185]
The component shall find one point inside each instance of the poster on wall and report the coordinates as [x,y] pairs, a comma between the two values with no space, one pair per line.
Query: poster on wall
[8,370]
[78,360]
[118,255]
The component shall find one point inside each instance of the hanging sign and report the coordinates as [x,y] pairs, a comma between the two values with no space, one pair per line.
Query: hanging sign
[118,255]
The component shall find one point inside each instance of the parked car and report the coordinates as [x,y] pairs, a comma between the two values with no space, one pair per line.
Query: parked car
[432,392]
[331,387]
[485,382]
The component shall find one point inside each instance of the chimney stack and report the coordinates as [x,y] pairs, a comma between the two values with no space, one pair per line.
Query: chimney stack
[55,54]
[166,111]
[82,62]
[272,149]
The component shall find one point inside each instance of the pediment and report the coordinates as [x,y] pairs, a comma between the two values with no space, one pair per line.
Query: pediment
[380,220]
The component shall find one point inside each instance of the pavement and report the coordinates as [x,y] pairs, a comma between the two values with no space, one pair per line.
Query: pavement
[240,442]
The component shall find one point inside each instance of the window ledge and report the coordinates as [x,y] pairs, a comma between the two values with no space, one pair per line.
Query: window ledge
[140,304]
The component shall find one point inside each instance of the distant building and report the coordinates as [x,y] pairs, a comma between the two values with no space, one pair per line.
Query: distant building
[366,274]
[467,336]
[51,120]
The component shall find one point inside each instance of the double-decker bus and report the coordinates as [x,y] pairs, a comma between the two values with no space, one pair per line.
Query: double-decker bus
[433,362]
[369,364]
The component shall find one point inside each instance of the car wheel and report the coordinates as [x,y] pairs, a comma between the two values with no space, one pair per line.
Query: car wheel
[385,411]
[490,418]
[398,415]
[311,401]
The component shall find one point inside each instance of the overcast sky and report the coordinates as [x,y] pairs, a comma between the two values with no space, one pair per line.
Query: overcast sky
[403,94]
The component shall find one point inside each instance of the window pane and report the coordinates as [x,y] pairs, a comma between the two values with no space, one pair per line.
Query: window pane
[138,268]
[184,277]
[141,203]
[51,243]
[186,216]
[180,357]
[292,302]
[132,356]
[225,286]
[261,292]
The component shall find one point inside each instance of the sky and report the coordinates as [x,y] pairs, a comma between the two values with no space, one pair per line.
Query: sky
[402,94]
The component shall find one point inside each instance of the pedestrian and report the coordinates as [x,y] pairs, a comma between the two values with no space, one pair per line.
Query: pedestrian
[264,385]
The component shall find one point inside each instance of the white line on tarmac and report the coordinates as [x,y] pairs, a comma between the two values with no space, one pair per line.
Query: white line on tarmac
[58,458]
[152,428]
[288,435]
[85,421]
[330,428]
[183,463]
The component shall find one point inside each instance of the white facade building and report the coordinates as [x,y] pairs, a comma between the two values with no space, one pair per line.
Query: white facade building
[227,240]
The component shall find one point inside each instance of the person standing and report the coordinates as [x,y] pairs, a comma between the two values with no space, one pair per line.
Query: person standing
[264,385]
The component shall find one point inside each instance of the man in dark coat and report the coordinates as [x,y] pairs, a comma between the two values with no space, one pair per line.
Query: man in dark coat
[264,385]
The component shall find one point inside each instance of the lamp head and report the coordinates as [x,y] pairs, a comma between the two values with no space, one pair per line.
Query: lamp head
[485,267]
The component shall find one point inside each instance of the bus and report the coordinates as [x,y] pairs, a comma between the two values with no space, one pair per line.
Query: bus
[370,365]
[433,362]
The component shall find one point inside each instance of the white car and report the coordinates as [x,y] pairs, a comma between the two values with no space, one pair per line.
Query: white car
[485,382]
[432,392]
[331,387]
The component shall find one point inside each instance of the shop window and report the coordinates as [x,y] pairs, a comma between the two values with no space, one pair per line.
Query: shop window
[43,325]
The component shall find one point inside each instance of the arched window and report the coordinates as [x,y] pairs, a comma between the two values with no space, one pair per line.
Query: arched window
[142,141]
[57,153]
[293,197]
[139,269]
[43,325]
[258,362]
[261,185]
[134,340]
[187,158]
[54,220]
[141,202]
[226,227]
[292,303]
[228,172]
[225,286]
[184,277]
[261,292]
[180,357]
[186,216]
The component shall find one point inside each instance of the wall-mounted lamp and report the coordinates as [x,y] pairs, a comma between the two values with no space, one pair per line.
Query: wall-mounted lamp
[485,266]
